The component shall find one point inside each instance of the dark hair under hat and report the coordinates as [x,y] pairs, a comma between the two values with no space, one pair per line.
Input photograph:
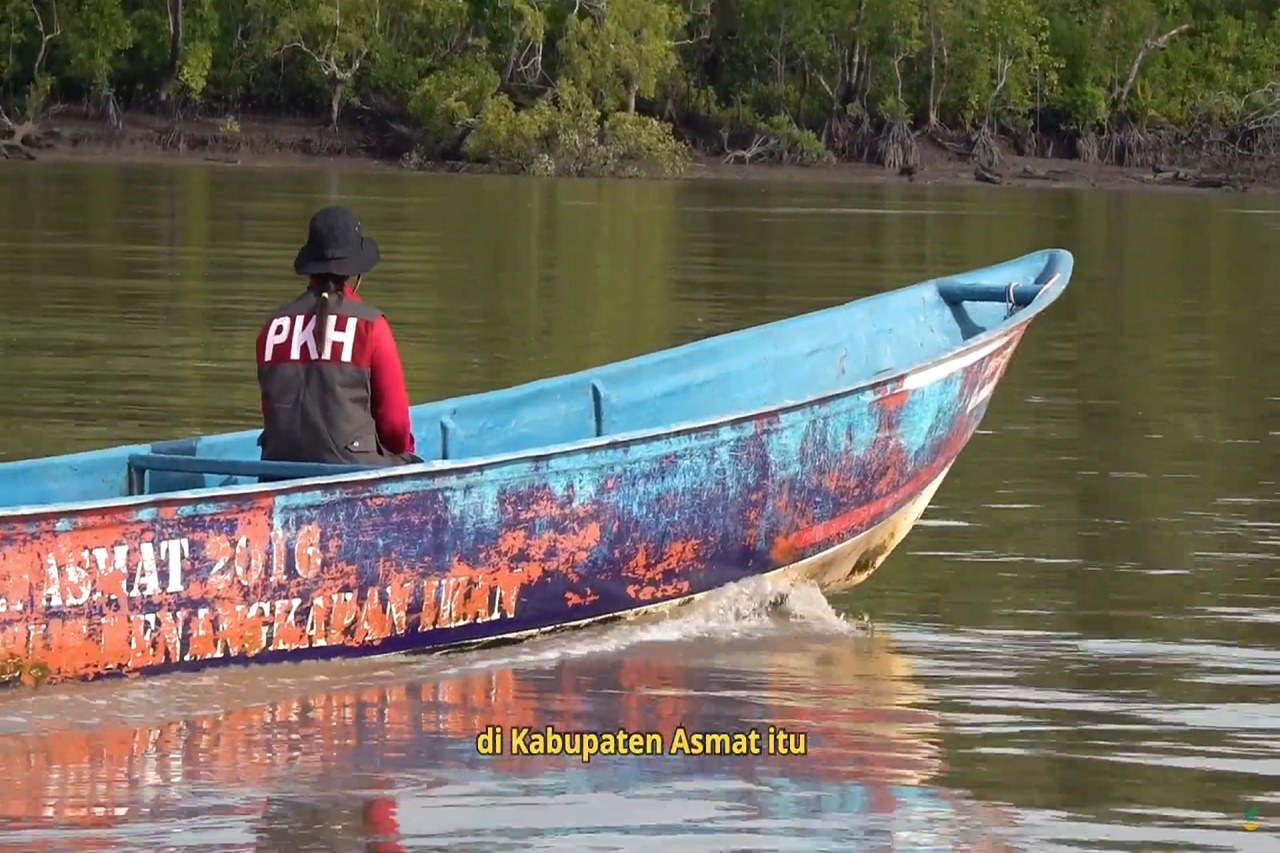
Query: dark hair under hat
[335,246]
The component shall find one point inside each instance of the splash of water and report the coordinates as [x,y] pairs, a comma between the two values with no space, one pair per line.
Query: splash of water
[751,608]
[748,609]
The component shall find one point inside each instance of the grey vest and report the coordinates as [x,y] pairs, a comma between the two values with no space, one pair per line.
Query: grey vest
[319,410]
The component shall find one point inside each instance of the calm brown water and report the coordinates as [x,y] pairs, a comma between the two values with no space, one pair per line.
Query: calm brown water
[1078,649]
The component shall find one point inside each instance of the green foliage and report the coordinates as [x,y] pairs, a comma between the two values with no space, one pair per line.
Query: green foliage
[549,137]
[896,32]
[449,100]
[588,87]
[418,39]
[16,26]
[37,96]
[337,37]
[193,73]
[1004,61]
[1085,103]
[797,146]
[562,134]
[639,145]
[94,34]
[621,50]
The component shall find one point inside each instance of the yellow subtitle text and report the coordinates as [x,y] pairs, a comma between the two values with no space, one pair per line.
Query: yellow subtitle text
[547,740]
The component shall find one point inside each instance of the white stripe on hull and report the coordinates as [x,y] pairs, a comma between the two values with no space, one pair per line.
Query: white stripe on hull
[930,375]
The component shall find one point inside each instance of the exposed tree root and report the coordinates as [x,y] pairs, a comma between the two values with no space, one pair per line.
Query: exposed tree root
[10,150]
[984,147]
[1086,147]
[19,140]
[896,147]
[762,147]
[949,146]
[171,137]
[1045,146]
[1025,143]
[850,137]
[1129,145]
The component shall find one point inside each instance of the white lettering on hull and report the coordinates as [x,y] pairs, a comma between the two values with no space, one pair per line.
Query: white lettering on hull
[74,579]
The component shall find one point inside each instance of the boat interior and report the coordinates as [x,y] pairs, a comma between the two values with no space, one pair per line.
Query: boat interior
[751,370]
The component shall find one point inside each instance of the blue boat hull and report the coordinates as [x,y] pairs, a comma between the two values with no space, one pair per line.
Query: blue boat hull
[459,550]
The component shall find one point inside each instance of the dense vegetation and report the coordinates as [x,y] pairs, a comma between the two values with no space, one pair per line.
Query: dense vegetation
[608,86]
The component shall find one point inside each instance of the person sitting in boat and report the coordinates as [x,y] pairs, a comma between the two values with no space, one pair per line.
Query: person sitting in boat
[332,384]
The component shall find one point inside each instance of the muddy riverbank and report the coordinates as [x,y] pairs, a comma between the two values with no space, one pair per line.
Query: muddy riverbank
[374,144]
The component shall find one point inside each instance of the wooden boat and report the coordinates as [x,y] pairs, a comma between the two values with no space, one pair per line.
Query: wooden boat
[808,446]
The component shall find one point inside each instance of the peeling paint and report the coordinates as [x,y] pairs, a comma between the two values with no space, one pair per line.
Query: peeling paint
[431,560]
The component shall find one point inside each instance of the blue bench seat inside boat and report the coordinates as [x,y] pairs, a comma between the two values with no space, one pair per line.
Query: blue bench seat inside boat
[750,370]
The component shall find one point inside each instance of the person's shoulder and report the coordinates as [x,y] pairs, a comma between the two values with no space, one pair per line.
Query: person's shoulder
[290,307]
[361,309]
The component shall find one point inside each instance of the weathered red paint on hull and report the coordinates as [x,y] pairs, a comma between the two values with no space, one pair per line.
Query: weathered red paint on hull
[425,560]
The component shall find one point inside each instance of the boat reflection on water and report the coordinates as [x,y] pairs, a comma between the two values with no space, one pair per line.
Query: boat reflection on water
[390,766]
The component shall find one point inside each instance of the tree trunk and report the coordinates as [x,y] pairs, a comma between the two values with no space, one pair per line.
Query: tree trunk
[335,105]
[174,7]
[934,94]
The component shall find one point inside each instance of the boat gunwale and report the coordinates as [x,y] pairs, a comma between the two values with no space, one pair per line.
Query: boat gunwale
[1051,290]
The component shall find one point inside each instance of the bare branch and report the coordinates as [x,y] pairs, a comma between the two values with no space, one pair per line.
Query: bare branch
[822,81]
[1265,115]
[327,58]
[898,59]
[1121,95]
[761,146]
[46,36]
[1003,66]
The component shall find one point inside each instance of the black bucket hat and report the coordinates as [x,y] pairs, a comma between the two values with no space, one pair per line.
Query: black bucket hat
[335,246]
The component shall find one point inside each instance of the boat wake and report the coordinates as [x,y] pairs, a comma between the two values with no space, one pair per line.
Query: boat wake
[750,609]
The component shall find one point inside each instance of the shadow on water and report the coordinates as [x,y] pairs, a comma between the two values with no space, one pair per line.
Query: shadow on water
[388,759]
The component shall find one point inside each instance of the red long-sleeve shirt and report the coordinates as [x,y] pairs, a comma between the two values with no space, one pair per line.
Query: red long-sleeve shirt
[389,398]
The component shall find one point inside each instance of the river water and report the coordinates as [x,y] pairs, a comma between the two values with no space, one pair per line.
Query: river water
[1077,649]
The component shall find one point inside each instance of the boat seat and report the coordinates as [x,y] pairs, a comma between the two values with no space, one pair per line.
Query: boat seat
[1019,295]
[140,463]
